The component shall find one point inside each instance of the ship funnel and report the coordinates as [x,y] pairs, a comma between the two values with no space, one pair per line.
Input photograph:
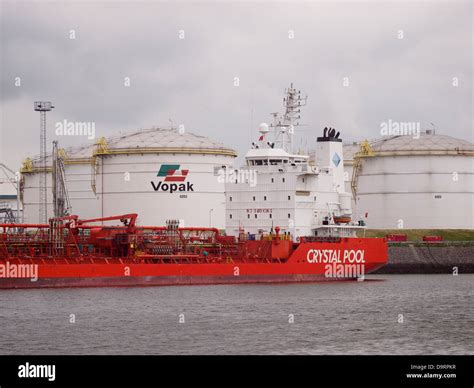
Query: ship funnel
[329,156]
[330,134]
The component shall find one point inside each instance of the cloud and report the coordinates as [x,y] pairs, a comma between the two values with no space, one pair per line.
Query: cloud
[191,80]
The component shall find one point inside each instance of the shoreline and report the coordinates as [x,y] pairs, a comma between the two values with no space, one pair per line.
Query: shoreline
[429,258]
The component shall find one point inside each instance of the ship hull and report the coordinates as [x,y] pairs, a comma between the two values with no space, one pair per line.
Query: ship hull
[75,253]
[144,281]
[310,262]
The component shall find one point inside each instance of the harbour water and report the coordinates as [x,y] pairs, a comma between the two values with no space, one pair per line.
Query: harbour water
[385,314]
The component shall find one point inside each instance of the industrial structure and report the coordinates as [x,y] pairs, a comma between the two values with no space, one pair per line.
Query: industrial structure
[414,183]
[159,173]
[10,208]
[422,182]
[61,202]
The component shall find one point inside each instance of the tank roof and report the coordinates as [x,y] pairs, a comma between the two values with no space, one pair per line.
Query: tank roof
[146,139]
[163,138]
[427,142]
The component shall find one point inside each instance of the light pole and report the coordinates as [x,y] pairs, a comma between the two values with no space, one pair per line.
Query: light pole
[43,107]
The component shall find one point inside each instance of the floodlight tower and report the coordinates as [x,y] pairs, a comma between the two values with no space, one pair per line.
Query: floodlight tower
[43,107]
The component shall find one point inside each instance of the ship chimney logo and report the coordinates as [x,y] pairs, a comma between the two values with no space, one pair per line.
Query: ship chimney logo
[172,173]
[336,159]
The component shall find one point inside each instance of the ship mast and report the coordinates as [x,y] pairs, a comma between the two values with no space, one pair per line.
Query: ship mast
[284,125]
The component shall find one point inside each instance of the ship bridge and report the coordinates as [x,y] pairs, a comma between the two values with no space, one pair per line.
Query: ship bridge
[273,157]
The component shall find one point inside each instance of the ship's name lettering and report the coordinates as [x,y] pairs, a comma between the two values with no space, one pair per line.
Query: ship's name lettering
[315,256]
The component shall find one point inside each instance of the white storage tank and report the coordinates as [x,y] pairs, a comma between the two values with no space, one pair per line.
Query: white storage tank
[158,173]
[424,183]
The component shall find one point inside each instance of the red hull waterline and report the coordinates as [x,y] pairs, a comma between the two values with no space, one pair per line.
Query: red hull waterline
[103,256]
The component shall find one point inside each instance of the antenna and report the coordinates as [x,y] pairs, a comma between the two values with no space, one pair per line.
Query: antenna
[43,107]
[284,126]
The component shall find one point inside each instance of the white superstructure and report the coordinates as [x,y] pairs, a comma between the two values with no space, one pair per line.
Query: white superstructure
[279,188]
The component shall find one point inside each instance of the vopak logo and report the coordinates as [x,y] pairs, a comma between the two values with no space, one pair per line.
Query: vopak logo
[172,173]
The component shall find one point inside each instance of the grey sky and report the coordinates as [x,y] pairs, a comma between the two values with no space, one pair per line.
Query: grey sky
[191,80]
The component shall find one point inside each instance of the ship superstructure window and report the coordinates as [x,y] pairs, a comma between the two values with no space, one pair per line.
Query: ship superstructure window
[254,198]
[248,215]
[270,215]
[230,216]
[230,199]
[289,197]
[283,180]
[273,180]
[255,216]
[289,215]
[264,197]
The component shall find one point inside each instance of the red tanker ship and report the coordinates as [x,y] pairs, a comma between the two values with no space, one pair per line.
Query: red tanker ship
[70,252]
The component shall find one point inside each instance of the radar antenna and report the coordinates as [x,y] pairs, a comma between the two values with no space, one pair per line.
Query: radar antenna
[284,125]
